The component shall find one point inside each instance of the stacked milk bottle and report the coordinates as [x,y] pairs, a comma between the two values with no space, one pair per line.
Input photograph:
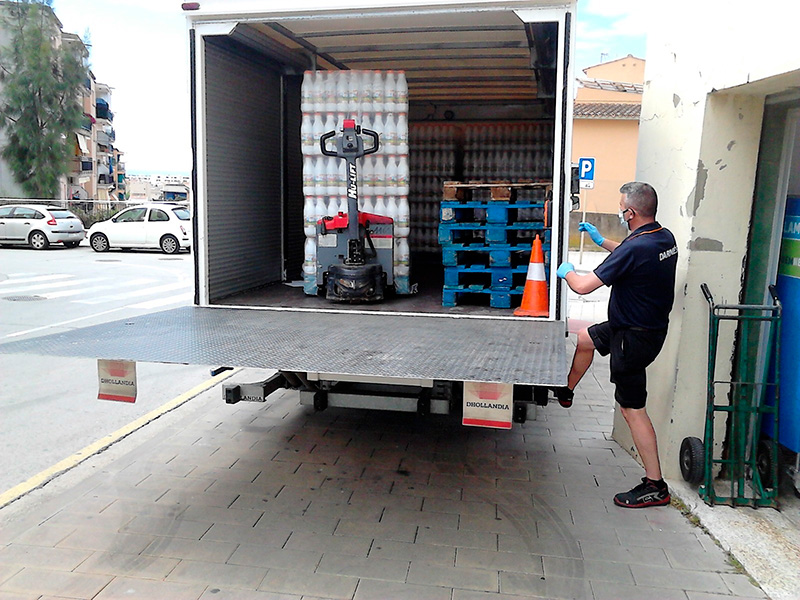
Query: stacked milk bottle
[377,100]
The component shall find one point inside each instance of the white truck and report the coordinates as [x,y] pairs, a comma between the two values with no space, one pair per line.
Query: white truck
[489,100]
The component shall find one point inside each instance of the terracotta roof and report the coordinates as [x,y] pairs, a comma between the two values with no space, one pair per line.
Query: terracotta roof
[612,86]
[607,110]
[608,62]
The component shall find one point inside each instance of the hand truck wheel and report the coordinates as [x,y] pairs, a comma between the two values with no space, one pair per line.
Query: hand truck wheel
[692,458]
[764,463]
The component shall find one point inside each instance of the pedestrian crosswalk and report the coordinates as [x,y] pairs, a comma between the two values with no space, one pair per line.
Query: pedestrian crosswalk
[138,293]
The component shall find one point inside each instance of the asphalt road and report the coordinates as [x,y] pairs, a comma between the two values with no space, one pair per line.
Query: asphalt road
[48,405]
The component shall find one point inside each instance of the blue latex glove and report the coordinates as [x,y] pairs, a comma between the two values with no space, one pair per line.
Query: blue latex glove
[592,231]
[565,268]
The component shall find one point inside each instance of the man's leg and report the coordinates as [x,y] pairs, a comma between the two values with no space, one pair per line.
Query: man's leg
[584,353]
[644,437]
[653,490]
[582,360]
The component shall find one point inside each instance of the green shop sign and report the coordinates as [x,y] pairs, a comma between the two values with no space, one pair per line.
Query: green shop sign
[789,262]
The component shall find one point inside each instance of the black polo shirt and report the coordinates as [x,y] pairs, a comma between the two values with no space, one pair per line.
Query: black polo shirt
[641,273]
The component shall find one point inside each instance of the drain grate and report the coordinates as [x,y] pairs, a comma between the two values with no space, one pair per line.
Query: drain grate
[172,258]
[24,298]
[108,260]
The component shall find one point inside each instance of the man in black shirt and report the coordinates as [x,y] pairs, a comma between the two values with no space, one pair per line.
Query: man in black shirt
[641,273]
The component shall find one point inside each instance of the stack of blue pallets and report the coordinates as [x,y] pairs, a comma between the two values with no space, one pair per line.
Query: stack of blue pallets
[486,231]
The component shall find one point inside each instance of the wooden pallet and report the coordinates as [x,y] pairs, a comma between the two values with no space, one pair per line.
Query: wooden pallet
[497,190]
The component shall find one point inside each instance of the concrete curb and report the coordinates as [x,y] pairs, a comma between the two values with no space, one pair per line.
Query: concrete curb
[765,542]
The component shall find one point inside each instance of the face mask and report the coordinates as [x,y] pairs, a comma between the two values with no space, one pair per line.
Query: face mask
[622,218]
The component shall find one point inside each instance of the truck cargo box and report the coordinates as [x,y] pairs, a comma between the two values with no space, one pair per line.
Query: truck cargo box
[489,106]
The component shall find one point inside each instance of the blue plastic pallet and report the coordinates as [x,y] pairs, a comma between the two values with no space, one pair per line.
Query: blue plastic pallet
[496,278]
[497,298]
[490,212]
[455,233]
[454,255]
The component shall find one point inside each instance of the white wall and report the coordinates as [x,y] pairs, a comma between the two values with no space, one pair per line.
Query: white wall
[705,82]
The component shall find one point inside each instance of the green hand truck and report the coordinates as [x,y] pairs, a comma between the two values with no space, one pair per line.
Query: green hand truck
[750,462]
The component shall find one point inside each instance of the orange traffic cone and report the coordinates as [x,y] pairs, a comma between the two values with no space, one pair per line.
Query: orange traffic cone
[534,297]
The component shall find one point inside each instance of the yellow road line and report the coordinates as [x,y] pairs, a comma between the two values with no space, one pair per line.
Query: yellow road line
[73,461]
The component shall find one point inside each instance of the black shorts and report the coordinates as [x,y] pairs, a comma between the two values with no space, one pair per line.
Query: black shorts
[632,350]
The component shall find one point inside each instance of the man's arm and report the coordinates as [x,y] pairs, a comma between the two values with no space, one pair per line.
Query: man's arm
[596,236]
[609,245]
[581,284]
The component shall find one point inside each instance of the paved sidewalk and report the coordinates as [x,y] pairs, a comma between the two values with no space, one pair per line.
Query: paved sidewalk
[766,541]
[273,501]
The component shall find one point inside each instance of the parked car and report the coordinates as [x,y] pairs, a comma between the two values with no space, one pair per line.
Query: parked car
[39,226]
[155,225]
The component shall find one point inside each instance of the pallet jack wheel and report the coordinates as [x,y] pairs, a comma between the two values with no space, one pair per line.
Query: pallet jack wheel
[520,414]
[692,458]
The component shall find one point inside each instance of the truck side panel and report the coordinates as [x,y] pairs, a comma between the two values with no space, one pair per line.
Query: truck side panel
[244,151]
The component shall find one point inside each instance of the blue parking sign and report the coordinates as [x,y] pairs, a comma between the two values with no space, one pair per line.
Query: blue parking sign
[586,172]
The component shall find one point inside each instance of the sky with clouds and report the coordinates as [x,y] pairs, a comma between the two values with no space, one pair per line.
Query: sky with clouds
[140,49]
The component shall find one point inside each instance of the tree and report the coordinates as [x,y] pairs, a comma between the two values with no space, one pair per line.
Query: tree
[40,104]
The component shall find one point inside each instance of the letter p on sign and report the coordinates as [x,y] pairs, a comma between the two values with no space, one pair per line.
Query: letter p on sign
[586,173]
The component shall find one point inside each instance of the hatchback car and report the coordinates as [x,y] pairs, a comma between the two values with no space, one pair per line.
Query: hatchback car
[39,226]
[157,225]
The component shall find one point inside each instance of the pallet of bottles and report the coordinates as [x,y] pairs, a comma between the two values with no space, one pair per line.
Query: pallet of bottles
[497,151]
[376,100]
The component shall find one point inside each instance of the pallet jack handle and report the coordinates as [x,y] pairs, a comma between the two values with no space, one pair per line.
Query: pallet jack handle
[349,148]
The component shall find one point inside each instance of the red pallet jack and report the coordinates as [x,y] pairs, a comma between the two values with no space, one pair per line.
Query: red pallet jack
[355,251]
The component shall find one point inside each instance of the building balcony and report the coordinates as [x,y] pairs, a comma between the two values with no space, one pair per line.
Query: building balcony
[107,180]
[105,138]
[103,111]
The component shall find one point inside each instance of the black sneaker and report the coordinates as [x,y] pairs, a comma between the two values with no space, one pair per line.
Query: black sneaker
[564,395]
[647,493]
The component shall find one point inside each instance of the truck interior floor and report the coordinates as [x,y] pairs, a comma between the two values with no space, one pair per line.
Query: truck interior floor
[428,278]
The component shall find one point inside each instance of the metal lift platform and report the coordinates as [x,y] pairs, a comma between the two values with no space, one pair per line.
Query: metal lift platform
[505,350]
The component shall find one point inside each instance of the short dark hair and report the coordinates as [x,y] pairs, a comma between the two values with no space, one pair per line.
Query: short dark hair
[642,197]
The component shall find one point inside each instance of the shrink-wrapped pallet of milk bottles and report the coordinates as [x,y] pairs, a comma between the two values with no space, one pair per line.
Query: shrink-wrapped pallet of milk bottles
[377,100]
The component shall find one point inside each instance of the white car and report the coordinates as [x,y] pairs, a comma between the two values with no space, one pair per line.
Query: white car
[39,226]
[156,225]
